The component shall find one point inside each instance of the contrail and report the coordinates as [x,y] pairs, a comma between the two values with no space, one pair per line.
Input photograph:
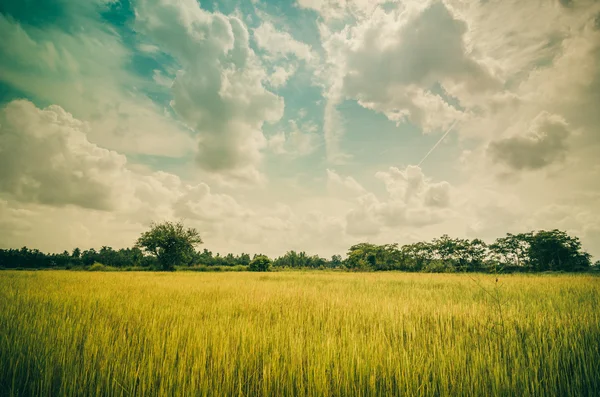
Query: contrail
[438,142]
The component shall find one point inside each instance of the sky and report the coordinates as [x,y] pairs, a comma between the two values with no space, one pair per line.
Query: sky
[304,125]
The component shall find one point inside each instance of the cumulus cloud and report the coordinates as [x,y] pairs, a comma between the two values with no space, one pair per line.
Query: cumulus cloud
[219,91]
[197,202]
[280,75]
[403,63]
[412,200]
[58,190]
[396,58]
[281,44]
[343,186]
[88,75]
[46,158]
[543,144]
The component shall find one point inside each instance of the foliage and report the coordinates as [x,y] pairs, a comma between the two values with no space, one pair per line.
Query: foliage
[260,263]
[301,260]
[365,256]
[556,250]
[537,251]
[170,242]
[99,267]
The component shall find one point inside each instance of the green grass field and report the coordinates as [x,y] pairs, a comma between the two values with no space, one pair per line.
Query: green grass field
[319,333]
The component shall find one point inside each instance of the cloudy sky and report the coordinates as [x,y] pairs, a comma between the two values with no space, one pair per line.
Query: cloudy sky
[298,124]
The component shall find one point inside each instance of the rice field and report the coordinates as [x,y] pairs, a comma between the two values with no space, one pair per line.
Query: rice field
[294,333]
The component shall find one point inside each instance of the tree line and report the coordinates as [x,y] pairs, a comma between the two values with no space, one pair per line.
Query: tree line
[169,245]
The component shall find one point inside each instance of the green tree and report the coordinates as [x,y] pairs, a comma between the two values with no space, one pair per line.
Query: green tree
[556,250]
[513,249]
[336,261]
[170,242]
[260,263]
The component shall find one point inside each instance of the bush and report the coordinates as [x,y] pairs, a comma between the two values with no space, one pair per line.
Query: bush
[99,267]
[260,263]
[437,266]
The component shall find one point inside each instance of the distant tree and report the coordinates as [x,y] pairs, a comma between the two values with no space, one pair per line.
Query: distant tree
[556,250]
[170,242]
[417,255]
[244,260]
[76,253]
[477,251]
[513,250]
[336,261]
[366,256]
[89,257]
[260,263]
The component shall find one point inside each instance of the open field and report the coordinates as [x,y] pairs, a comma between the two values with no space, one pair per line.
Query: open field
[79,333]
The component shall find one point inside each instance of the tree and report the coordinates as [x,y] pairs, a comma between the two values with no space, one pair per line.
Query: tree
[513,250]
[260,263]
[336,261]
[556,250]
[170,242]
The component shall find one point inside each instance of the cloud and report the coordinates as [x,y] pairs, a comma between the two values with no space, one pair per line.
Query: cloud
[395,59]
[197,202]
[335,10]
[46,158]
[218,92]
[544,143]
[299,140]
[87,74]
[412,200]
[343,186]
[410,63]
[280,75]
[58,190]
[281,44]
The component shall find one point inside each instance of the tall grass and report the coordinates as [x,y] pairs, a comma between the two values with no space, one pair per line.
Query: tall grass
[74,333]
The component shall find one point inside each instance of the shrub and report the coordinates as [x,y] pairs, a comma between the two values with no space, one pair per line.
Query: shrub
[260,263]
[99,267]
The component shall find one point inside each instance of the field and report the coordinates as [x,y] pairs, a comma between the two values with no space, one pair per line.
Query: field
[293,333]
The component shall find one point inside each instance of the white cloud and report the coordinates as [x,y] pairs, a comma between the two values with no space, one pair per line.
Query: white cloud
[281,44]
[87,75]
[46,158]
[343,186]
[280,75]
[277,143]
[402,63]
[335,10]
[395,59]
[299,140]
[219,91]
[413,200]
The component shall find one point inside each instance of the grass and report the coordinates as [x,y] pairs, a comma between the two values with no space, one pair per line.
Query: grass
[348,334]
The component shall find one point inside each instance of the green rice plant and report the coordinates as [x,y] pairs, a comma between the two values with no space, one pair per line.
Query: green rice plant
[296,333]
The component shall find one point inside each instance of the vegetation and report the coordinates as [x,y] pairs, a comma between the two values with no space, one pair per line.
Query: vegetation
[171,243]
[260,263]
[311,333]
[168,246]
